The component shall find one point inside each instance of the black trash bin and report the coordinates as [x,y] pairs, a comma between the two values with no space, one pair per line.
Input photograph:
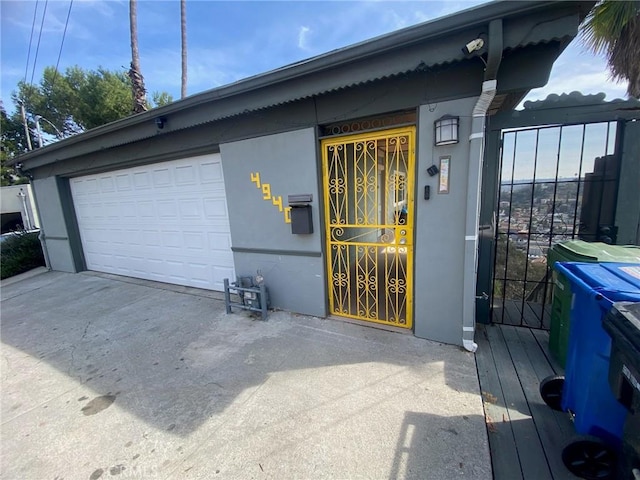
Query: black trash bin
[622,323]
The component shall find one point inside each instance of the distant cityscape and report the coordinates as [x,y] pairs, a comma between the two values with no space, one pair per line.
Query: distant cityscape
[532,220]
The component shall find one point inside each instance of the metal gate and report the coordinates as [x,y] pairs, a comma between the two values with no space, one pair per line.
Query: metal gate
[556,183]
[368,189]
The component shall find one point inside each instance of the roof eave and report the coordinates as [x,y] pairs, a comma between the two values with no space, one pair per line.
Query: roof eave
[442,28]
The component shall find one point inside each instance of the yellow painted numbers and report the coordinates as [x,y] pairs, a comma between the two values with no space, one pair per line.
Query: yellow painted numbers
[276,201]
[255,178]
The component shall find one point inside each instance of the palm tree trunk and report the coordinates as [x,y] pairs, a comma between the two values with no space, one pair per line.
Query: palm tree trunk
[137,81]
[183,30]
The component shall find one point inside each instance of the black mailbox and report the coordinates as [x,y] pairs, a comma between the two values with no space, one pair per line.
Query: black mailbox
[301,219]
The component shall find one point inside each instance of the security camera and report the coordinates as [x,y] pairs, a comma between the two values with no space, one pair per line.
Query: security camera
[473,46]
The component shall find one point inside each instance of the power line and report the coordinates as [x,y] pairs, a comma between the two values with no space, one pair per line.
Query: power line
[35,59]
[64,34]
[33,25]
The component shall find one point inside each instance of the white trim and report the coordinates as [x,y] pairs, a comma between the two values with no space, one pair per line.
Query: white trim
[473,136]
[470,238]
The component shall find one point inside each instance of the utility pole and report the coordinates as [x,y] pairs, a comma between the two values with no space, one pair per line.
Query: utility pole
[26,125]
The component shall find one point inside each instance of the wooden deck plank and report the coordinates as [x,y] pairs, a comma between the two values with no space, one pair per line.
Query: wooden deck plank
[512,309]
[554,428]
[502,445]
[542,337]
[533,315]
[545,365]
[531,454]
[538,310]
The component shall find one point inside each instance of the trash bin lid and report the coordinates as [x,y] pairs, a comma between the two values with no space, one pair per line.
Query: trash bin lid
[581,251]
[615,281]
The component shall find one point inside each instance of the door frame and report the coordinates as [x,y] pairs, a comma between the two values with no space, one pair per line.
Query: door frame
[409,240]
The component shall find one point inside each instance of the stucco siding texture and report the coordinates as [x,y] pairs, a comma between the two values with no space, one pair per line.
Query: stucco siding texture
[440,227]
[260,173]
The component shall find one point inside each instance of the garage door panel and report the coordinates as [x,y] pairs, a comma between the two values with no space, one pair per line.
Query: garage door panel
[210,172]
[146,209]
[185,175]
[128,209]
[167,210]
[219,241]
[123,182]
[194,241]
[112,210]
[161,177]
[215,208]
[166,222]
[220,273]
[172,239]
[190,209]
[141,181]
[107,185]
[86,187]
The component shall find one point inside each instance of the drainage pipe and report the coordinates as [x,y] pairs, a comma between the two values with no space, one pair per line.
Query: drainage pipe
[474,184]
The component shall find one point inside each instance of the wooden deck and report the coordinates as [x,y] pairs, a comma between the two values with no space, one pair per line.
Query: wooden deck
[519,313]
[526,437]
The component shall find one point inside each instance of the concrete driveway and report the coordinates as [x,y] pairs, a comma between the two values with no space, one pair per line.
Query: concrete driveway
[108,377]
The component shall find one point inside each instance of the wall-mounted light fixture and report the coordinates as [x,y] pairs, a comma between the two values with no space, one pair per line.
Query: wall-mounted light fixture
[446,130]
[160,121]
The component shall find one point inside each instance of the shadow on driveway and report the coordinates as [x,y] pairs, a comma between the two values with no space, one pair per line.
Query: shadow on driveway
[165,384]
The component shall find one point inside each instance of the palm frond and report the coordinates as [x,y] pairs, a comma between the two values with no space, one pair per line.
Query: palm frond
[624,57]
[613,28]
[605,22]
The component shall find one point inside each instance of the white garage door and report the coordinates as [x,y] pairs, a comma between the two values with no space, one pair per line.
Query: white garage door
[166,222]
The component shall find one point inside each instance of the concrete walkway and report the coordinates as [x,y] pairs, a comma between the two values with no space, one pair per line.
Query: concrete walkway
[114,378]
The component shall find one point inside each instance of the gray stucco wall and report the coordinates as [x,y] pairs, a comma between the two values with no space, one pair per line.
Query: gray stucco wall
[440,228]
[292,265]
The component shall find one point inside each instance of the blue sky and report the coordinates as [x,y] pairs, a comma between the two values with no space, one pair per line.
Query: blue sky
[229,41]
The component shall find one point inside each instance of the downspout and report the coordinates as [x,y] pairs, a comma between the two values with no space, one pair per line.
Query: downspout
[474,184]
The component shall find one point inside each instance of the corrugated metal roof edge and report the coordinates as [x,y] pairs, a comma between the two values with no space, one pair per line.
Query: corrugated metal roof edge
[448,24]
[303,97]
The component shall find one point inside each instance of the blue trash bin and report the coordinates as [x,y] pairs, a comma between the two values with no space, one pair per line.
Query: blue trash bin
[586,393]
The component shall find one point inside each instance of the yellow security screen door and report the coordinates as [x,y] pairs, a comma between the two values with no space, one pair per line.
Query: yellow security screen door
[368,189]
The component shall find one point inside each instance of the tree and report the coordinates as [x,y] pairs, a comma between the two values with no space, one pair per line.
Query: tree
[13,143]
[160,99]
[613,27]
[183,32]
[510,280]
[135,74]
[80,100]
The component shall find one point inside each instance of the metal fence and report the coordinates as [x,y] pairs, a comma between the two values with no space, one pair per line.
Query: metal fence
[556,183]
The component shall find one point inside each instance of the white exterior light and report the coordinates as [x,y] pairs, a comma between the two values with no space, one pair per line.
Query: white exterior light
[446,130]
